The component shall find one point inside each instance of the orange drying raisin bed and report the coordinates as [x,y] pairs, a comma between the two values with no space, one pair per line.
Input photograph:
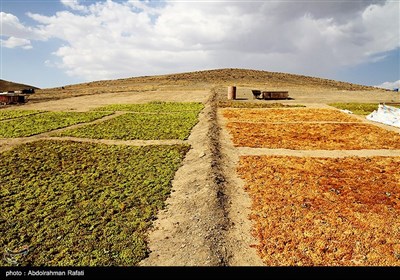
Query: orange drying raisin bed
[324,211]
[312,136]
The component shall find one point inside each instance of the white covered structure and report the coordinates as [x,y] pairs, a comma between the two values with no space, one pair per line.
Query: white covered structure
[386,114]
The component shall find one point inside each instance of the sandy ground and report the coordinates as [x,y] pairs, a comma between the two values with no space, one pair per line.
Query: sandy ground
[89,102]
[206,220]
[319,98]
[241,239]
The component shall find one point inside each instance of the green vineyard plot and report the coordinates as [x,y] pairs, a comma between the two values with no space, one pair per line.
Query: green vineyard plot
[358,108]
[67,203]
[39,123]
[12,114]
[131,126]
[155,107]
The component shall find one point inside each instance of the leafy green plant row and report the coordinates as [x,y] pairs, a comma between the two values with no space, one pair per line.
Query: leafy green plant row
[82,204]
[358,108]
[155,107]
[39,123]
[12,114]
[130,126]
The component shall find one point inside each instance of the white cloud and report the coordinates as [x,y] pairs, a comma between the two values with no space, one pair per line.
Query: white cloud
[13,42]
[112,39]
[19,35]
[74,5]
[390,85]
[11,26]
[381,27]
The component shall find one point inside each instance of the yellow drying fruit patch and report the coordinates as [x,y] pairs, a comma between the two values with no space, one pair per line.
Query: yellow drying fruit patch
[312,136]
[324,211]
[287,115]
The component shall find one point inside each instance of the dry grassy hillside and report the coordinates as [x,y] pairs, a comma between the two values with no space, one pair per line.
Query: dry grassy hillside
[234,76]
[199,80]
[10,86]
[246,76]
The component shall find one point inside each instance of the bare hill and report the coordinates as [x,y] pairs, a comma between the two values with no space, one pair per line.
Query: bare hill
[10,86]
[247,76]
[230,76]
[200,80]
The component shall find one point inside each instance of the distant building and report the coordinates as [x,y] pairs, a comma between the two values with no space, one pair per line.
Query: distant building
[15,96]
[28,91]
[11,98]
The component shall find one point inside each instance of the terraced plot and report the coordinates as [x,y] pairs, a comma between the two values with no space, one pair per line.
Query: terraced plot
[324,211]
[72,204]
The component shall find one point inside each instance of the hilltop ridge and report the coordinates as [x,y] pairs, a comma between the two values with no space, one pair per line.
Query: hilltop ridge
[236,76]
[11,86]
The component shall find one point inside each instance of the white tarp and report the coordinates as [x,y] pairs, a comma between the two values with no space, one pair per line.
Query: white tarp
[346,111]
[386,114]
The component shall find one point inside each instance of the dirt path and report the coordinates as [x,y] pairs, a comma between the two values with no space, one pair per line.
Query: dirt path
[188,232]
[239,237]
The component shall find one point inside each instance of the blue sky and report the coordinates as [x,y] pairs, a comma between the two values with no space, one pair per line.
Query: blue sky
[49,43]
